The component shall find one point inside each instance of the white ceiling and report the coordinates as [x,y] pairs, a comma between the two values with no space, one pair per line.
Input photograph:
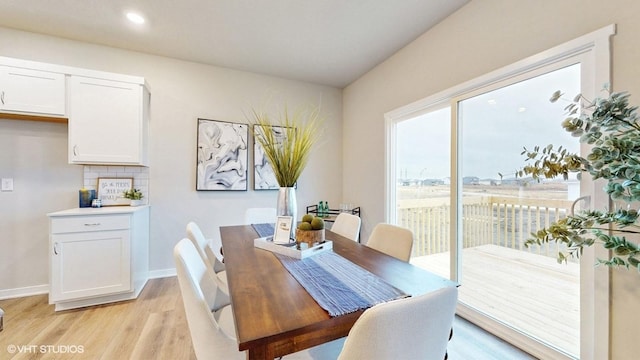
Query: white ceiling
[330,42]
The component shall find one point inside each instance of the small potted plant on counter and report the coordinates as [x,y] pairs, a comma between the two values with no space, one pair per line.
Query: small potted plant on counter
[135,195]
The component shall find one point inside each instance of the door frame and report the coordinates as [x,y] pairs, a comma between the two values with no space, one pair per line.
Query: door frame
[594,50]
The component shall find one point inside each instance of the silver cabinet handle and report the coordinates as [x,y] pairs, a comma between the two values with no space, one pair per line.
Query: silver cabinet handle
[2,97]
[75,150]
[55,248]
[92,224]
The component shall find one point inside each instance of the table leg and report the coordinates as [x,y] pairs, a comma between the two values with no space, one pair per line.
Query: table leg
[263,352]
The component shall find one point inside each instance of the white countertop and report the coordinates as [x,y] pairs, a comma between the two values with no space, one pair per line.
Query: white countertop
[105,210]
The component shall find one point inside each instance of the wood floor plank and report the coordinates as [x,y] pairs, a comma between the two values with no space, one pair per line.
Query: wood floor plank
[177,342]
[471,342]
[149,344]
[155,327]
[133,324]
[92,332]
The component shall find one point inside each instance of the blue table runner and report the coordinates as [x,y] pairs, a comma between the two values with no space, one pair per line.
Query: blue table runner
[338,285]
[264,230]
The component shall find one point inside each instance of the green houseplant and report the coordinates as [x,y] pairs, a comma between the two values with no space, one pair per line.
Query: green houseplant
[610,126]
[135,195]
[288,152]
[287,142]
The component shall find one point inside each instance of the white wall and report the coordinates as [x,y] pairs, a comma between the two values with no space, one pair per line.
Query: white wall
[180,93]
[481,37]
[34,155]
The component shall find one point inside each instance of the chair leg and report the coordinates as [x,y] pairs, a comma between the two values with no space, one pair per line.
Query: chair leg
[446,354]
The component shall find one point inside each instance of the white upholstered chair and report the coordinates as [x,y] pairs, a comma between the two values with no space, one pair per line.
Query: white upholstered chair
[209,250]
[347,225]
[212,332]
[392,240]
[411,328]
[260,216]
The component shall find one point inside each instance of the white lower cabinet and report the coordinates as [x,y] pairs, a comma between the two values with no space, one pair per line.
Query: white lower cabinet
[98,255]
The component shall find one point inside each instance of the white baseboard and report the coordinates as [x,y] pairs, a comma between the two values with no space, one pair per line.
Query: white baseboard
[44,289]
[24,291]
[157,274]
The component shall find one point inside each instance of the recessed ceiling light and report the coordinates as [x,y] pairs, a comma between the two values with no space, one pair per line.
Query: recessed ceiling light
[522,109]
[135,18]
[492,101]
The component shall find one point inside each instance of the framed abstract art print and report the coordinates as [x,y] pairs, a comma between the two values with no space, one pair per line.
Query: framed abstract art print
[222,155]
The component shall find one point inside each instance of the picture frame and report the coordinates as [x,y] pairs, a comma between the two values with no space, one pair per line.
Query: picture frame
[223,156]
[263,175]
[111,190]
[282,232]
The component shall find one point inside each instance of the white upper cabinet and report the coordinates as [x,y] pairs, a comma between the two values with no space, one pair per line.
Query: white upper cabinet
[108,113]
[108,121]
[32,91]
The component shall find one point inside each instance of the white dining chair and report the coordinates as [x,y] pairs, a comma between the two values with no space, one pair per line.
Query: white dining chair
[260,216]
[392,240]
[347,225]
[212,333]
[206,251]
[410,328]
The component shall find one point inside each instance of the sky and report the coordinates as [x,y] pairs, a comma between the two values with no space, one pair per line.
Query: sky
[494,128]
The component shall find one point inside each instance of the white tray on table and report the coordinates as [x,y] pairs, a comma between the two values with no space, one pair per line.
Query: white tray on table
[291,250]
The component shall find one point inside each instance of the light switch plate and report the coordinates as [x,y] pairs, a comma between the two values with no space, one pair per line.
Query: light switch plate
[7,184]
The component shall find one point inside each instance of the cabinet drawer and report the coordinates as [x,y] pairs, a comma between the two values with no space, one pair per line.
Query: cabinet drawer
[89,223]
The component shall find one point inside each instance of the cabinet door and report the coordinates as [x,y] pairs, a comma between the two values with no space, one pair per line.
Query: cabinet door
[32,91]
[105,122]
[89,264]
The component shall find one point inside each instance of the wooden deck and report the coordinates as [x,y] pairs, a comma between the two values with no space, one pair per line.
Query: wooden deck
[532,293]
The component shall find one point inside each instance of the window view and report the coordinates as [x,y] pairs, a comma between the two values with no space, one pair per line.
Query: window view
[515,284]
[423,185]
[522,287]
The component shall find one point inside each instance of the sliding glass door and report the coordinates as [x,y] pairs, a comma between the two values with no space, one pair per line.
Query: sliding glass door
[452,160]
[457,191]
[520,287]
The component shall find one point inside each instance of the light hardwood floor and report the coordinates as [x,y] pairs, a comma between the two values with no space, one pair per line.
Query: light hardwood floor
[154,327]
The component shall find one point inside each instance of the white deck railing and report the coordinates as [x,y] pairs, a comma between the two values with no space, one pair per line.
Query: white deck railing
[498,220]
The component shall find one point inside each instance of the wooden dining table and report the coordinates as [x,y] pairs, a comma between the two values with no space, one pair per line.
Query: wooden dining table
[275,316]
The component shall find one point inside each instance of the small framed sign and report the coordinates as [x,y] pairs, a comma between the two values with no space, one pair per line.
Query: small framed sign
[283,230]
[110,190]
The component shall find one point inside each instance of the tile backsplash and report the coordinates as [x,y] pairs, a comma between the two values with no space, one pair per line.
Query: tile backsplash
[139,174]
